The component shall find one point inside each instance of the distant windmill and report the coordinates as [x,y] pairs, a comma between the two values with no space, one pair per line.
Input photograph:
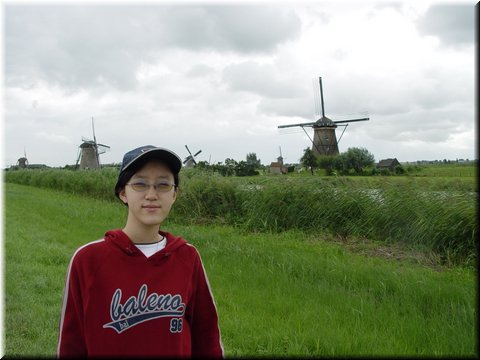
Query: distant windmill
[89,152]
[190,159]
[23,161]
[277,167]
[324,139]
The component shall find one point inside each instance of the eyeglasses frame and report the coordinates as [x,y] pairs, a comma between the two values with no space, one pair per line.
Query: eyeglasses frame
[154,187]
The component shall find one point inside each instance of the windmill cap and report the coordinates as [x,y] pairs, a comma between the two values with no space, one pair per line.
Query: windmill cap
[152,152]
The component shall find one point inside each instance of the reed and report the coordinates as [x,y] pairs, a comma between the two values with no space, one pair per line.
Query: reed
[426,213]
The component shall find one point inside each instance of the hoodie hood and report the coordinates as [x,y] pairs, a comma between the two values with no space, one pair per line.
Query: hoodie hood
[122,241]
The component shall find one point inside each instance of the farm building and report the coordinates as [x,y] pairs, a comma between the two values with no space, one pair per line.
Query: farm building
[388,164]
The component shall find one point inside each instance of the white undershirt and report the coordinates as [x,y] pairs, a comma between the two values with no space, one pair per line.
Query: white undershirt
[150,249]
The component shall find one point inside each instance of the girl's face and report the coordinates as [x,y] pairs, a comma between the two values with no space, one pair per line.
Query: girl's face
[149,206]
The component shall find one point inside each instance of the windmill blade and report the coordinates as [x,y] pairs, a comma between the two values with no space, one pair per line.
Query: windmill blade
[102,149]
[292,130]
[353,120]
[188,150]
[190,159]
[97,153]
[321,95]
[292,125]
[316,98]
[93,130]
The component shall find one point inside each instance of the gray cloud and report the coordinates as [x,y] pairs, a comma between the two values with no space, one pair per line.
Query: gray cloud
[69,46]
[297,107]
[91,46]
[222,78]
[249,28]
[261,79]
[200,70]
[454,24]
[427,126]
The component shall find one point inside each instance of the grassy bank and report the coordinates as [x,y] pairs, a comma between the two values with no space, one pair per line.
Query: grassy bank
[291,293]
[416,212]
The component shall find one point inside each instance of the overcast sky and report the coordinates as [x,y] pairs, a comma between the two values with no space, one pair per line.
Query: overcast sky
[221,77]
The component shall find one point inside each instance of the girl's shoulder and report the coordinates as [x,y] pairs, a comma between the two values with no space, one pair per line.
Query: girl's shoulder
[91,249]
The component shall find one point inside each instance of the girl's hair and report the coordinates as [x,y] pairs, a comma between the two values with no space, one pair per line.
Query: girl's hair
[127,174]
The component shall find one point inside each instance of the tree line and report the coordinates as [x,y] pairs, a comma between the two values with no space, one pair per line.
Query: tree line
[354,160]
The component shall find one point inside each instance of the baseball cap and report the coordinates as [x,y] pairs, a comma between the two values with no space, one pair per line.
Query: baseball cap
[152,152]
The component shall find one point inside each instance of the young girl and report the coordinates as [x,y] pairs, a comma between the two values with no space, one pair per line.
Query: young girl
[140,291]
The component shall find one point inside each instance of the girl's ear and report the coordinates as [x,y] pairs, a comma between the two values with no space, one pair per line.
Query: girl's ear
[122,196]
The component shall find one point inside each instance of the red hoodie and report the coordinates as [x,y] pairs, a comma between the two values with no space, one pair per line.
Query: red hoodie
[117,302]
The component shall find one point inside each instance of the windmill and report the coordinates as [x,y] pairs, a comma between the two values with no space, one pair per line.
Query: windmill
[277,167]
[89,152]
[190,159]
[324,139]
[22,163]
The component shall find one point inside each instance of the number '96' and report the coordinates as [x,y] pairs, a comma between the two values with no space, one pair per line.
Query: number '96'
[176,325]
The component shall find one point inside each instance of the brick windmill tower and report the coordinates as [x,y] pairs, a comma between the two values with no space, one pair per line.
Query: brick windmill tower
[89,152]
[324,138]
[22,162]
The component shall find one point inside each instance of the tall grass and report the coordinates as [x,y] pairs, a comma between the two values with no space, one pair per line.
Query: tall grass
[278,294]
[97,184]
[416,213]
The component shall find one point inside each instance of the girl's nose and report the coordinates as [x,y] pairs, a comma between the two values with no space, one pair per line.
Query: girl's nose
[151,193]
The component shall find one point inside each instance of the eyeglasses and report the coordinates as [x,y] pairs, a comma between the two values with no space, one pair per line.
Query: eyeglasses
[141,186]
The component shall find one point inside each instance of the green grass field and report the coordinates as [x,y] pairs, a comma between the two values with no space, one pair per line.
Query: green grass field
[449,170]
[289,293]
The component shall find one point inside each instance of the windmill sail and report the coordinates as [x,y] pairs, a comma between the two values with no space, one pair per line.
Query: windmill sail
[190,159]
[316,99]
[102,149]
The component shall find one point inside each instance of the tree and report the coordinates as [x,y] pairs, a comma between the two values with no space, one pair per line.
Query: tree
[358,158]
[242,168]
[326,162]
[309,160]
[230,165]
[340,164]
[203,165]
[399,170]
[252,160]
